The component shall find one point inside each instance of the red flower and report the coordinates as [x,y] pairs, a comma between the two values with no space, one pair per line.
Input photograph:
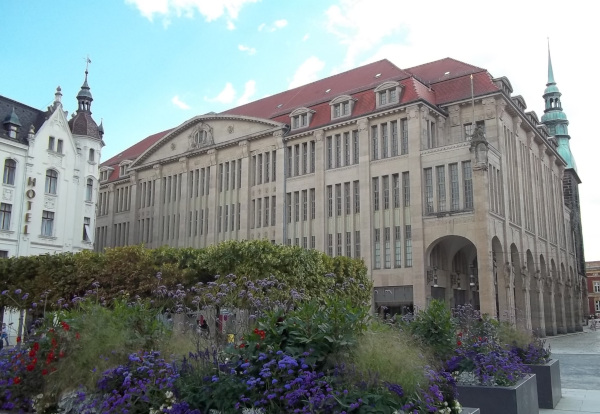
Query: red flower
[32,353]
[16,380]
[61,354]
[77,335]
[242,345]
[65,326]
[30,367]
[18,339]
[458,343]
[36,346]
[460,334]
[44,371]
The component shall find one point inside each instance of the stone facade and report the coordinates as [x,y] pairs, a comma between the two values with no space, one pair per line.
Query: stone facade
[443,194]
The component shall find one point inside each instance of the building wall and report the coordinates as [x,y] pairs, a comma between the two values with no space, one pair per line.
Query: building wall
[30,197]
[592,271]
[426,208]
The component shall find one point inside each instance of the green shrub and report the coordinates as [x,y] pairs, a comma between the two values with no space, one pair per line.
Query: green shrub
[435,328]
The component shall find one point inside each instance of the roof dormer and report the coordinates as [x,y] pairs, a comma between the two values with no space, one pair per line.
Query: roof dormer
[124,167]
[388,93]
[341,106]
[300,117]
[105,173]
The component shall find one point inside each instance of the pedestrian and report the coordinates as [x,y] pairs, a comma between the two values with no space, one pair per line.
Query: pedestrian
[204,329]
[4,336]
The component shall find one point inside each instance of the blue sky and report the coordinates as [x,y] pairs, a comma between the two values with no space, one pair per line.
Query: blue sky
[157,63]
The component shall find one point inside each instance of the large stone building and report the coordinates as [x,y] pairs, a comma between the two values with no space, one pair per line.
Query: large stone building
[435,175]
[592,271]
[50,178]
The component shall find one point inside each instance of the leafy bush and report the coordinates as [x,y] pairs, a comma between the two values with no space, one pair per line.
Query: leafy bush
[435,328]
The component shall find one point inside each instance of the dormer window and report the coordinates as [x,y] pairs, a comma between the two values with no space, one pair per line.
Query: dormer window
[387,93]
[301,118]
[104,174]
[341,106]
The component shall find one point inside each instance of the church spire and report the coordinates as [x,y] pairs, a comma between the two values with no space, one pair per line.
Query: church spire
[554,117]
[84,97]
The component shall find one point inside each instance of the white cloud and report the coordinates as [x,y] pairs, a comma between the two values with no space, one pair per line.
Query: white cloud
[179,103]
[248,49]
[277,24]
[249,90]
[305,38]
[280,24]
[209,9]
[226,96]
[307,72]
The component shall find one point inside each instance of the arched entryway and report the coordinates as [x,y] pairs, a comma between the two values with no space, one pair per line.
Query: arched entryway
[451,271]
[518,288]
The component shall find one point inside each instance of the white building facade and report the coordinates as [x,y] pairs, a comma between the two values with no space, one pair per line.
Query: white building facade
[50,177]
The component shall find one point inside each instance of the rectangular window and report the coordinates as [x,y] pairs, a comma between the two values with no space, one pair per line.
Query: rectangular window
[313,204]
[338,151]
[312,156]
[374,143]
[357,244]
[51,143]
[304,205]
[597,305]
[226,218]
[377,247]
[226,183]
[338,200]
[258,213]
[441,187]
[288,201]
[297,159]
[407,246]
[47,223]
[273,211]
[356,198]
[468,182]
[428,191]
[289,161]
[395,147]
[382,98]
[274,168]
[388,246]
[329,153]
[313,242]
[396,190]
[339,244]
[468,128]
[397,247]
[348,244]
[386,192]
[454,187]
[5,214]
[305,158]
[220,216]
[259,169]
[232,175]
[59,146]
[304,242]
[296,206]
[596,284]
[404,136]
[384,141]
[347,199]
[406,188]
[375,193]
[232,215]
[355,146]
[87,232]
[346,148]
[330,245]
[267,166]
[266,211]
[329,201]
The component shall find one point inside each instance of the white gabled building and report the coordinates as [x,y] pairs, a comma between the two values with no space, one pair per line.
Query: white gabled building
[50,176]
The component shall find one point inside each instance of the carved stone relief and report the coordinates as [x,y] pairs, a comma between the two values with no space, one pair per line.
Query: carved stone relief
[49,202]
[7,194]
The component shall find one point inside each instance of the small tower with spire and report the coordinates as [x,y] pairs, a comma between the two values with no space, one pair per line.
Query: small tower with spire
[82,122]
[558,126]
[12,124]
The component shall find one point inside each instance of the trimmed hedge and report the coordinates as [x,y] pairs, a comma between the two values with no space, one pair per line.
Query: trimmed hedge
[133,269]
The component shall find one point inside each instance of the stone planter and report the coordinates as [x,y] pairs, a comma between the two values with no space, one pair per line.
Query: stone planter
[548,383]
[519,399]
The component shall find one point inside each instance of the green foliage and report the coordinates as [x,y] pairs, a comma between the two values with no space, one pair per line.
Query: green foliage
[392,356]
[435,328]
[133,269]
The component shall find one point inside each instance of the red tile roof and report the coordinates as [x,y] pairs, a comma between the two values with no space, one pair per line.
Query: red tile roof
[132,153]
[433,72]
[428,82]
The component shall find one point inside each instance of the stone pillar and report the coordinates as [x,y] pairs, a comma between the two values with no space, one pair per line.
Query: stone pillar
[244,192]
[320,228]
[539,289]
[526,292]
[509,285]
[562,327]
[157,211]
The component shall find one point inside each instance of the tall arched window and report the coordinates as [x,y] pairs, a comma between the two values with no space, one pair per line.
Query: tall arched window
[51,181]
[10,168]
[89,189]
[92,156]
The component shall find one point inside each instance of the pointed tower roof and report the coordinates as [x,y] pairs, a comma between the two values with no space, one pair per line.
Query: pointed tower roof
[555,119]
[83,123]
[12,118]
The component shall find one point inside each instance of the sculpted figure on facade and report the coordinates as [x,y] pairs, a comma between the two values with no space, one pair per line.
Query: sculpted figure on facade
[479,145]
[509,275]
[524,278]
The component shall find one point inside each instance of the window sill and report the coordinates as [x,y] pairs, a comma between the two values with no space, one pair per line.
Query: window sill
[60,154]
[42,236]
[7,231]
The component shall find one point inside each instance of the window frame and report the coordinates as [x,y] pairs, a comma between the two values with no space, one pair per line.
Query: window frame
[51,182]
[387,94]
[5,216]
[48,218]
[10,171]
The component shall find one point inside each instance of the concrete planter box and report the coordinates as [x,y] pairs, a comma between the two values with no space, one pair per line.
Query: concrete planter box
[467,410]
[519,399]
[548,383]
